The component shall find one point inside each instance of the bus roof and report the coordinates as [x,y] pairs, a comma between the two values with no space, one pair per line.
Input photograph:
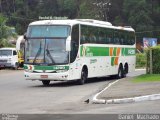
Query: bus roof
[90,22]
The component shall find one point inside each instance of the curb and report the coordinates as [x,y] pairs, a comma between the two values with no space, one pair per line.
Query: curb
[101,101]
[134,99]
[94,100]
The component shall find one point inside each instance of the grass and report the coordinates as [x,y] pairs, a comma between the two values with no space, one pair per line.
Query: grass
[147,78]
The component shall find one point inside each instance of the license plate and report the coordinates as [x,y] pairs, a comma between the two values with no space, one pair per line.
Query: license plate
[44,76]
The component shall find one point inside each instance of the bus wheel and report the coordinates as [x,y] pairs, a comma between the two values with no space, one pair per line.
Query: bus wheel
[45,82]
[120,72]
[125,70]
[84,75]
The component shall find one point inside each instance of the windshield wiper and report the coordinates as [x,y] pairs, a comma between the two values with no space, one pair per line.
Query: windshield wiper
[49,55]
[38,53]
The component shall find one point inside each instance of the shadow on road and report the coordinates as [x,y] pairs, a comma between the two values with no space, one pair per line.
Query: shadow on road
[74,83]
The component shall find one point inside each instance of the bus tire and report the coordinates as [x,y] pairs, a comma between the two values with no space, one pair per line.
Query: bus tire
[46,82]
[120,72]
[84,76]
[125,70]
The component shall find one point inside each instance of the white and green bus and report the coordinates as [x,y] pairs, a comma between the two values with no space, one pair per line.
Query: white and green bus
[62,50]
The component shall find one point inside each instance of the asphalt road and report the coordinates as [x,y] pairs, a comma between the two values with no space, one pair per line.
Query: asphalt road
[19,96]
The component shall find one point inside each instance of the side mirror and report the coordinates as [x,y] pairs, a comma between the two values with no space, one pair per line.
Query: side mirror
[68,43]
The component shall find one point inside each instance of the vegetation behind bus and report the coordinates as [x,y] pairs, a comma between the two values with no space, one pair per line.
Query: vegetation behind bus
[155,60]
[141,60]
[6,33]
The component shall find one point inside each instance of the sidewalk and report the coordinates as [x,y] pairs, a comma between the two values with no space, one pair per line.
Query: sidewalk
[126,88]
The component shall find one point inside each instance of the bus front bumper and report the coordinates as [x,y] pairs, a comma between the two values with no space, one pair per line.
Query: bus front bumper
[47,76]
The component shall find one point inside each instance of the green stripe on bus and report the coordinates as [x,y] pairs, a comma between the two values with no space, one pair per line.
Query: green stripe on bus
[89,51]
[123,51]
[115,52]
[94,51]
[98,51]
[112,61]
[49,67]
[128,51]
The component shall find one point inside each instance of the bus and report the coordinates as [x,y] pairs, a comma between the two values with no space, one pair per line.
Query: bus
[63,50]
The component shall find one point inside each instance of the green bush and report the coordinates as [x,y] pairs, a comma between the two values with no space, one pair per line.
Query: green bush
[155,60]
[140,60]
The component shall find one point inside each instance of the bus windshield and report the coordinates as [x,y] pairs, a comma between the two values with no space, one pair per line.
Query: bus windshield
[47,45]
[48,31]
[5,52]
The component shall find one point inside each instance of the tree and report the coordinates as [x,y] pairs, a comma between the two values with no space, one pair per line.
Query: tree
[4,32]
[3,27]
[67,8]
[87,10]
[138,14]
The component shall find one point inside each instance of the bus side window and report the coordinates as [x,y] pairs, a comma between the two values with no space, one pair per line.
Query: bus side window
[108,37]
[116,37]
[83,38]
[125,38]
[132,39]
[129,39]
[84,34]
[121,38]
[92,38]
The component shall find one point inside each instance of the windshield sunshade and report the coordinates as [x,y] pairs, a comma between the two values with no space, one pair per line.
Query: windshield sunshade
[48,31]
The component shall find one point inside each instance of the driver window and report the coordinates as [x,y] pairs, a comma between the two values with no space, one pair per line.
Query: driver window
[14,52]
[74,42]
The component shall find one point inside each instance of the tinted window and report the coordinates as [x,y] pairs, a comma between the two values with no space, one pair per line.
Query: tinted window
[74,42]
[14,52]
[99,35]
